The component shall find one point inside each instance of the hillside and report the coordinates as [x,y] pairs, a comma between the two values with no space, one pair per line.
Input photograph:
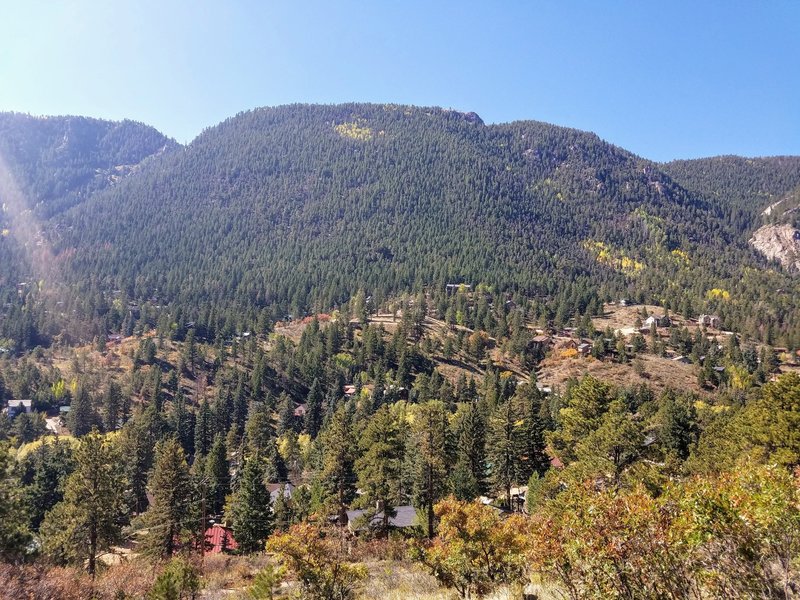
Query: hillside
[294,209]
[505,347]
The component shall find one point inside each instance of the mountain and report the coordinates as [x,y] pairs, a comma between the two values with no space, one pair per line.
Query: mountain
[745,189]
[297,208]
[60,161]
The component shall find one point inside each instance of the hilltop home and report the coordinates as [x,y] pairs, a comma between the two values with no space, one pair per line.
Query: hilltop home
[16,407]
[712,321]
[658,320]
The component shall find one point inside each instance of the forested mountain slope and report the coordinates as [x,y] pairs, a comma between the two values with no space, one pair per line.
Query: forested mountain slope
[47,165]
[296,208]
[58,162]
[744,188]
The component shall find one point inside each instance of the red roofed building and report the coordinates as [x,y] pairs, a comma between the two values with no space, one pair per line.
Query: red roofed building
[219,539]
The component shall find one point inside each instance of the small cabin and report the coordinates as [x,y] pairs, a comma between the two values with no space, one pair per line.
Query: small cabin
[16,407]
[219,539]
[657,320]
[405,517]
[712,321]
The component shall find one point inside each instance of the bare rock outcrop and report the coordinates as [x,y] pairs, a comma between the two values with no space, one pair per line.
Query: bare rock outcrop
[781,242]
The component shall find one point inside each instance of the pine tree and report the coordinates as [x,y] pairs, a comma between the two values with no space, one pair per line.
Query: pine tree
[239,416]
[380,466]
[275,470]
[471,450]
[249,508]
[313,420]
[535,459]
[182,423]
[169,516]
[14,535]
[203,429]
[338,461]
[91,516]
[217,476]
[112,407]
[286,418]
[506,445]
[82,416]
[139,436]
[584,406]
[258,429]
[43,473]
[613,446]
[429,430]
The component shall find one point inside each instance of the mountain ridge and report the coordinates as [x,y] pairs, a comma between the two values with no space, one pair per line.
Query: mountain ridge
[296,208]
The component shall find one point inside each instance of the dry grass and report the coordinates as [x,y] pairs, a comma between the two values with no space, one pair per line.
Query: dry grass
[226,574]
[128,579]
[393,580]
[659,373]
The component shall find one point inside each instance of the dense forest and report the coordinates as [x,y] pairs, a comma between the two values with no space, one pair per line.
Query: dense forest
[292,210]
[316,445]
[305,356]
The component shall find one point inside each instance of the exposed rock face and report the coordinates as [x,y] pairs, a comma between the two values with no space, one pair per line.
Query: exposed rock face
[781,242]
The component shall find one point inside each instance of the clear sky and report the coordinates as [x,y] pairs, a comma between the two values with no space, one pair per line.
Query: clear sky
[665,79]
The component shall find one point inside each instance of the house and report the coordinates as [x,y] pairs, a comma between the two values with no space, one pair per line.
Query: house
[301,410]
[16,407]
[712,321]
[518,497]
[349,390]
[274,490]
[219,539]
[585,348]
[453,288]
[541,340]
[658,320]
[405,517]
[682,359]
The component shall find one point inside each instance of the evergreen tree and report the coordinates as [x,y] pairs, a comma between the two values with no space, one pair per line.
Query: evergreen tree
[14,535]
[286,418]
[217,476]
[90,517]
[258,430]
[471,452]
[282,510]
[112,407]
[43,474]
[429,431]
[613,446]
[138,439]
[203,429]
[313,419]
[584,406]
[170,515]
[338,461]
[535,459]
[249,508]
[379,467]
[506,443]
[82,416]
[183,423]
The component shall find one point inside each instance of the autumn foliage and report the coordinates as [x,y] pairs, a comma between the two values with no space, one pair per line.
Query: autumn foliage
[476,551]
[315,556]
[731,536]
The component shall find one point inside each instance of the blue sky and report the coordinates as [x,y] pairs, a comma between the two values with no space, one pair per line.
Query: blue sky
[663,79]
